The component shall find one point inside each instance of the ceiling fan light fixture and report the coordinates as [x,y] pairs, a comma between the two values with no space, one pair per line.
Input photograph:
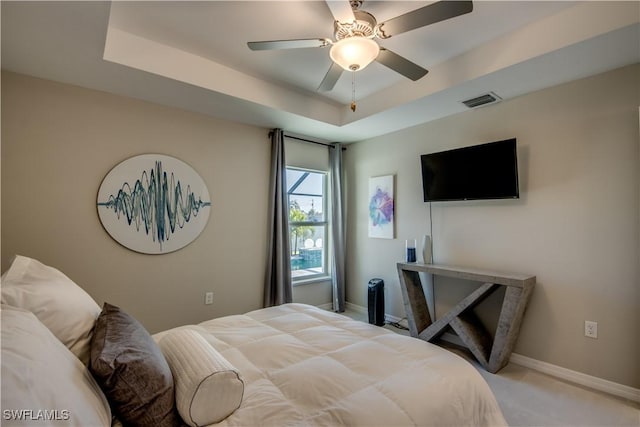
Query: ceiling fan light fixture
[354,53]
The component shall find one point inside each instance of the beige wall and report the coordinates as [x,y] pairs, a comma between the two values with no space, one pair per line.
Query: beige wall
[575,226]
[58,143]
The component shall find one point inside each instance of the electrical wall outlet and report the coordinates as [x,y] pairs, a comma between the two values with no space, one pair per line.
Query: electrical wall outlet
[590,329]
[208,298]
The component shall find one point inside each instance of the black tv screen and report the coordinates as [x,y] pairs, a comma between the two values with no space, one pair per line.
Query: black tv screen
[486,171]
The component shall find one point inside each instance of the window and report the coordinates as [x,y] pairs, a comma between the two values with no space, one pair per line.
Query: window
[306,193]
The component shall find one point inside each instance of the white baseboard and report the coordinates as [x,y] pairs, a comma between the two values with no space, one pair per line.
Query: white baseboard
[575,377]
[328,306]
[363,310]
[565,374]
[357,308]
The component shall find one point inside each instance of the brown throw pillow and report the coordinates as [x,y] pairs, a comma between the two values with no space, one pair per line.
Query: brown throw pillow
[131,370]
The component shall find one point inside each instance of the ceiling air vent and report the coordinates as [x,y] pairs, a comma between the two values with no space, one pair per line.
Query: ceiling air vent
[487,98]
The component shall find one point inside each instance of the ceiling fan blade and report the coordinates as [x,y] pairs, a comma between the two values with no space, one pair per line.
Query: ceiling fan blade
[426,15]
[330,78]
[288,44]
[401,65]
[341,10]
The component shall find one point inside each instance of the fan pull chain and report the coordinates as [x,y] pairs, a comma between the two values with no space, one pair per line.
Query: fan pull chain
[353,91]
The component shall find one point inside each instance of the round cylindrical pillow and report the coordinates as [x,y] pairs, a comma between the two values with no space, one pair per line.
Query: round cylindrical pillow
[208,387]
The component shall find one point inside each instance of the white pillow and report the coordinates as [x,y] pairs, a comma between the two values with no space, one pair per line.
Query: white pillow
[208,387]
[61,305]
[43,383]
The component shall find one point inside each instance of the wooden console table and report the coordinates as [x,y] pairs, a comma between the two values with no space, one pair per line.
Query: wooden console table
[493,354]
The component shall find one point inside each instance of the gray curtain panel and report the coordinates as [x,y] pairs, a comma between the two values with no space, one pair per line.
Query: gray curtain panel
[338,217]
[277,287]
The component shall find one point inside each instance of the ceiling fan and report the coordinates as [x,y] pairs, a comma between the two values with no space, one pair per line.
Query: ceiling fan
[355,30]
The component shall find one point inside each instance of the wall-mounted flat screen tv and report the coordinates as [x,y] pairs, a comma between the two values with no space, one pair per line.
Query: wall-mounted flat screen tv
[486,171]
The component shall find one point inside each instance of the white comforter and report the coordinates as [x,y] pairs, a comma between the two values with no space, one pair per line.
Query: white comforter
[305,366]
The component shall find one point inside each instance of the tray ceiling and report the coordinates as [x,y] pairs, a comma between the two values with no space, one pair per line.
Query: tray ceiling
[194,55]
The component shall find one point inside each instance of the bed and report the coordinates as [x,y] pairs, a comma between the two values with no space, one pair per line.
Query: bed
[290,365]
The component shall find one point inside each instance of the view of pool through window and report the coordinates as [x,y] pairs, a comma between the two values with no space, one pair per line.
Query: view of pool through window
[307,223]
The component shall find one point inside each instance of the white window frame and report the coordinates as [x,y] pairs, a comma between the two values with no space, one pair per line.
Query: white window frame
[325,274]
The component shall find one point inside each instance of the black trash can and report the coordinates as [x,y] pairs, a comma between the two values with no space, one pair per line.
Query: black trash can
[376,302]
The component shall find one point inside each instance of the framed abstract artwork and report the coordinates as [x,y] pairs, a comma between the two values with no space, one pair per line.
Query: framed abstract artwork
[153,204]
[381,207]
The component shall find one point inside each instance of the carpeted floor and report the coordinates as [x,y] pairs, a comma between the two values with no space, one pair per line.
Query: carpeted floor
[530,398]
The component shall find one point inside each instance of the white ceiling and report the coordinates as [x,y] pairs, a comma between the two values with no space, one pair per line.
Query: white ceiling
[193,55]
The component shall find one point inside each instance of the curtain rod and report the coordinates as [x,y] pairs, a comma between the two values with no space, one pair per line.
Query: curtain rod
[308,140]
